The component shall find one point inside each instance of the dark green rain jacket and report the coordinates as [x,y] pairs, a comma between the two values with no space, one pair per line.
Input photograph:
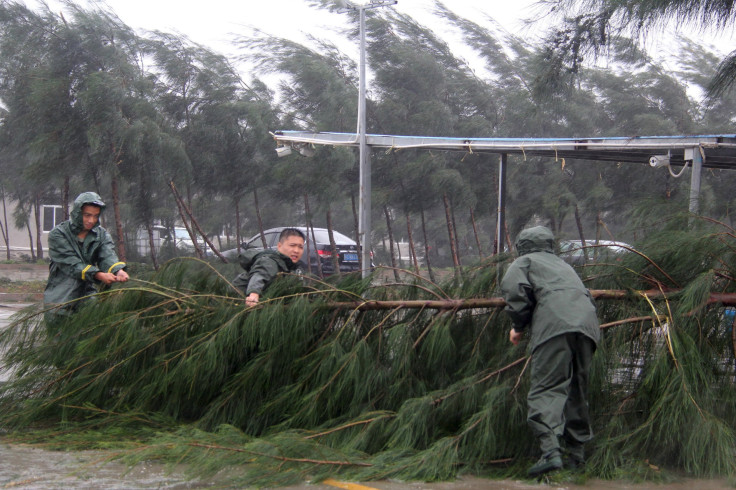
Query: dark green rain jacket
[74,263]
[544,293]
[261,268]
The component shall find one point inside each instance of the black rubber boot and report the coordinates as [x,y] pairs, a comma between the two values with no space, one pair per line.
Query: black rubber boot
[547,463]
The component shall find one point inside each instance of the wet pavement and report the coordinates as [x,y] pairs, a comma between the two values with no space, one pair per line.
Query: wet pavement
[30,467]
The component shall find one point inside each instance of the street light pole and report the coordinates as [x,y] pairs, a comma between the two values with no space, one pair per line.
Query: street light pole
[364,207]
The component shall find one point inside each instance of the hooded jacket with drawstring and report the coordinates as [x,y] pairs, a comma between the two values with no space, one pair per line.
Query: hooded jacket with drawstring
[544,294]
[74,263]
[261,268]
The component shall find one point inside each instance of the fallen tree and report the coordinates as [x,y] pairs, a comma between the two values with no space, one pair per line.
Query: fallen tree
[360,380]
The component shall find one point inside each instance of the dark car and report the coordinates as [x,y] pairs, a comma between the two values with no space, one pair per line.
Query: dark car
[321,253]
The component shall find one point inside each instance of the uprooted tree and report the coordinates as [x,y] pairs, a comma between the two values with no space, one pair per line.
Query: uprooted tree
[369,380]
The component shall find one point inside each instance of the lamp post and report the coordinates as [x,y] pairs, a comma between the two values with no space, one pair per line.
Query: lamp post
[364,207]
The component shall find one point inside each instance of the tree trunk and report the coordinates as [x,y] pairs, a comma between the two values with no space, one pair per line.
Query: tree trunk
[6,229]
[310,229]
[391,242]
[152,244]
[118,220]
[258,217]
[195,224]
[333,246]
[598,222]
[187,208]
[236,202]
[426,249]
[451,233]
[30,240]
[509,243]
[475,232]
[39,227]
[728,299]
[454,229]
[65,198]
[183,216]
[412,251]
[580,232]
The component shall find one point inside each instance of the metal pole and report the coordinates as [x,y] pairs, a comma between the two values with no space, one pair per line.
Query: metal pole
[695,180]
[364,205]
[364,208]
[501,219]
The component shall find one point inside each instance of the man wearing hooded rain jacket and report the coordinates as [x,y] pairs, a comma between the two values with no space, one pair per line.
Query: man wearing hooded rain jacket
[82,255]
[545,296]
[262,266]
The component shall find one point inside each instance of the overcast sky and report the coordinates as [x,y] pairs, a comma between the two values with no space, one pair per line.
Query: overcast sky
[215,23]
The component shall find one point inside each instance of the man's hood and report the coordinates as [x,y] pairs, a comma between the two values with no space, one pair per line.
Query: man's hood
[76,214]
[537,239]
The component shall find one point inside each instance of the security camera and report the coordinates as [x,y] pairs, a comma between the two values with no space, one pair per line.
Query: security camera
[283,151]
[659,161]
[306,151]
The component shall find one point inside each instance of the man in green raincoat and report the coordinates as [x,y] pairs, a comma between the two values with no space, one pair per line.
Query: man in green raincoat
[82,256]
[262,266]
[545,296]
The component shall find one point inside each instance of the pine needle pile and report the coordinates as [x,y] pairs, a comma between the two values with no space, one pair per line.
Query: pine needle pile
[308,386]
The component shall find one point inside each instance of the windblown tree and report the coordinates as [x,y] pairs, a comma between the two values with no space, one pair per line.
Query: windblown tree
[587,28]
[318,92]
[39,85]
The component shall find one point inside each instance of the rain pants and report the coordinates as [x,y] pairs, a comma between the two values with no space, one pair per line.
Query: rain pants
[74,263]
[544,295]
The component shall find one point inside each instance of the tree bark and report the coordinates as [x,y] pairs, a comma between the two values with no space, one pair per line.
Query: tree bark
[580,232]
[152,245]
[333,247]
[199,229]
[30,240]
[118,219]
[454,229]
[310,229]
[65,198]
[6,229]
[451,233]
[258,217]
[412,251]
[475,232]
[236,202]
[391,242]
[426,249]
[39,226]
[598,222]
[184,220]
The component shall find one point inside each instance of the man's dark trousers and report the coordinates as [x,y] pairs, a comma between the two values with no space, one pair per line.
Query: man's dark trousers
[557,400]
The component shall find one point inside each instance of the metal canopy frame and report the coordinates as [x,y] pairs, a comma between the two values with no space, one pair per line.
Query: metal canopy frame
[702,151]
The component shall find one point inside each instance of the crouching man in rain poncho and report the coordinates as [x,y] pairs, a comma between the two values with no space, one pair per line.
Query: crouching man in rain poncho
[82,256]
[544,295]
[262,266]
